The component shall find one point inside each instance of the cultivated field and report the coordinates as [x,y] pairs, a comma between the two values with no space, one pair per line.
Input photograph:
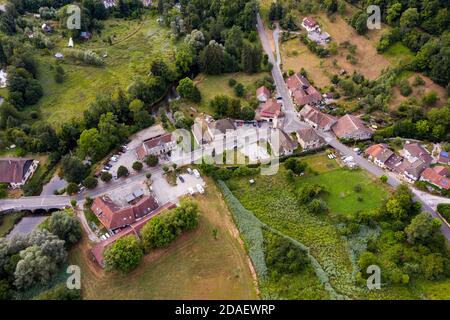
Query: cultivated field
[195,266]
[135,44]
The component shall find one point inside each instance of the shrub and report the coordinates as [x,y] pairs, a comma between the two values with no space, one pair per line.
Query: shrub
[405,88]
[122,172]
[152,160]
[239,90]
[124,254]
[90,182]
[232,82]
[86,56]
[137,166]
[444,210]
[384,178]
[72,188]
[162,230]
[106,176]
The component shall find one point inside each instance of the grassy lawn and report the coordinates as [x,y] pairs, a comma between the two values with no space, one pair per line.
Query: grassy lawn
[196,266]
[8,221]
[211,86]
[341,196]
[398,52]
[135,44]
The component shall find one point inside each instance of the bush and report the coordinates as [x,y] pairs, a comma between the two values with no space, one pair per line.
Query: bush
[122,172]
[444,210]
[232,82]
[72,188]
[239,90]
[283,256]
[90,182]
[106,176]
[60,292]
[152,160]
[137,166]
[162,230]
[86,56]
[405,88]
[124,254]
[383,178]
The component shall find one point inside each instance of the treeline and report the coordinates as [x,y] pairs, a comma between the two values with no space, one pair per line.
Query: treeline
[422,26]
[220,37]
[126,253]
[410,245]
[31,261]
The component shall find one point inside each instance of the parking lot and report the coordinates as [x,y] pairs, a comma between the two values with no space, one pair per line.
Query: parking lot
[165,192]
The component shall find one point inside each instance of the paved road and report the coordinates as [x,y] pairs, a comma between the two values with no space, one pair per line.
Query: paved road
[293,122]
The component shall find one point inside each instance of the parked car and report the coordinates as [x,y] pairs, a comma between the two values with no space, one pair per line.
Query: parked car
[191,191]
[196,173]
[181,179]
[114,158]
[189,170]
[200,188]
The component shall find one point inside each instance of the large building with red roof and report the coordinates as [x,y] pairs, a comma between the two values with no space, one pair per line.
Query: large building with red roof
[16,171]
[351,127]
[115,216]
[317,119]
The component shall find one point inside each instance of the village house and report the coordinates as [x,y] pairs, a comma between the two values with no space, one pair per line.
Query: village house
[269,111]
[302,91]
[444,157]
[16,171]
[379,154]
[437,176]
[219,129]
[263,94]
[317,119]
[309,139]
[414,151]
[281,143]
[310,24]
[411,171]
[351,127]
[158,145]
[114,216]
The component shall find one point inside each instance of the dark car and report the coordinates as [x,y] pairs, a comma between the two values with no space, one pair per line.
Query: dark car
[181,179]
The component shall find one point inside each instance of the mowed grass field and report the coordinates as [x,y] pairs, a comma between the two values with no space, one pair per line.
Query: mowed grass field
[341,196]
[135,44]
[195,266]
[214,85]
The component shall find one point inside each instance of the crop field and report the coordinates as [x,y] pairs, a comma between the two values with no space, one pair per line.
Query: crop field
[195,266]
[134,44]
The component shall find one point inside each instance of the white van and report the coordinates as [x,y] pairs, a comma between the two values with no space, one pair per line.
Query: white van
[200,188]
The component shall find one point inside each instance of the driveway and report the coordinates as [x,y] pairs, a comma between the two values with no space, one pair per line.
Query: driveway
[165,192]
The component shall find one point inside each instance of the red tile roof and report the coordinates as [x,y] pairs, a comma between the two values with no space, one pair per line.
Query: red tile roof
[309,22]
[113,216]
[380,152]
[434,176]
[321,120]
[416,150]
[349,125]
[263,91]
[271,109]
[12,170]
[143,150]
[135,228]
